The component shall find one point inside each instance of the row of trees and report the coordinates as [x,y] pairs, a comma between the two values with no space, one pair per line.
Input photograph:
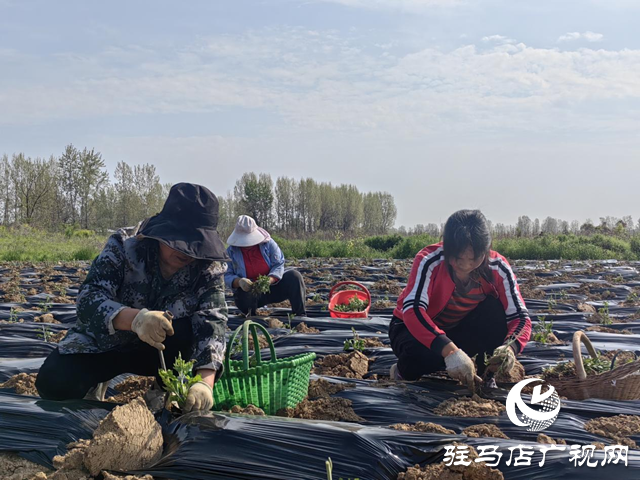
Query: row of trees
[305,207]
[525,227]
[75,189]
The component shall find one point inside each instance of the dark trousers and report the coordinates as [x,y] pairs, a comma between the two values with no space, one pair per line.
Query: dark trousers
[480,332]
[291,287]
[70,376]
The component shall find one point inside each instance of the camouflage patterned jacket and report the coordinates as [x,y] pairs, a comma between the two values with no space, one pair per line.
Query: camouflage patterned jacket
[127,274]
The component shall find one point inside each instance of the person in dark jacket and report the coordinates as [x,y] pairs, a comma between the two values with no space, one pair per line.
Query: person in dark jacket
[462,299]
[254,253]
[172,262]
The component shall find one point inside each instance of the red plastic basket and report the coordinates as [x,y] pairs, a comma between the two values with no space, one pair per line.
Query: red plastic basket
[343,297]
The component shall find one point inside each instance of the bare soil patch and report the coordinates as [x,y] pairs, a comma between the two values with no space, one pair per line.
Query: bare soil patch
[332,409]
[23,384]
[347,365]
[484,430]
[439,471]
[131,388]
[469,407]
[322,388]
[426,427]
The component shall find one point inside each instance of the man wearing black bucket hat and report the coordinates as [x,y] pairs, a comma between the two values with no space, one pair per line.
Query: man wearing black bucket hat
[172,262]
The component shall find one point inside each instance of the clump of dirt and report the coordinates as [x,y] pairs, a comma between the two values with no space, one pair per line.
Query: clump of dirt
[131,388]
[23,383]
[515,375]
[382,304]
[14,467]
[129,438]
[387,286]
[484,430]
[618,428]
[322,388]
[623,356]
[547,440]
[600,328]
[426,427]
[56,337]
[283,304]
[553,340]
[440,471]
[469,407]
[109,476]
[561,370]
[274,323]
[332,409]
[348,365]
[372,342]
[248,410]
[262,342]
[304,328]
[46,318]
[586,308]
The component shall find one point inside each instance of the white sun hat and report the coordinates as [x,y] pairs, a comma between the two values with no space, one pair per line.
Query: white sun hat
[247,233]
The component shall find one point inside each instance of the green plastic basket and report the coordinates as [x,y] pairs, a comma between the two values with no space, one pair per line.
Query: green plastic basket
[270,385]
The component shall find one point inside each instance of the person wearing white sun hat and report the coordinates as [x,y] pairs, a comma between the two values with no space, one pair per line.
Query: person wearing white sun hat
[253,253]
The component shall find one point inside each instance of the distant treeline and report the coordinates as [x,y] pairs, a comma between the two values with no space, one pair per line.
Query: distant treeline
[74,191]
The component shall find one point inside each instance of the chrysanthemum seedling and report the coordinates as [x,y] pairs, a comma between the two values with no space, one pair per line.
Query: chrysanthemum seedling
[354,305]
[542,330]
[178,385]
[261,285]
[355,343]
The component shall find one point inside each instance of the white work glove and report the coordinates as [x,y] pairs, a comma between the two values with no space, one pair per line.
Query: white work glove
[503,358]
[199,397]
[245,284]
[152,327]
[462,368]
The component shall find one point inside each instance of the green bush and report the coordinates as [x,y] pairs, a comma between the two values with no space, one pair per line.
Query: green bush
[383,242]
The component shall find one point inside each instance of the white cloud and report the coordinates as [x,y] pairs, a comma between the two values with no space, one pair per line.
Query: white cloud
[588,36]
[323,81]
[413,6]
[498,39]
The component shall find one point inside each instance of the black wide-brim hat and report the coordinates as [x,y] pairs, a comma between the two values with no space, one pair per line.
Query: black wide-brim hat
[188,223]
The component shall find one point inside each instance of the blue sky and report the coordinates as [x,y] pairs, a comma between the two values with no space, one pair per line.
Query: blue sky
[514,107]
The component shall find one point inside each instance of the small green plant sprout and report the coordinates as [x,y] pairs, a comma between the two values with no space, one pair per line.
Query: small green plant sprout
[632,298]
[46,334]
[329,467]
[62,290]
[288,325]
[501,357]
[552,302]
[603,314]
[178,385]
[355,343]
[261,285]
[317,298]
[354,305]
[563,295]
[46,305]
[13,315]
[542,330]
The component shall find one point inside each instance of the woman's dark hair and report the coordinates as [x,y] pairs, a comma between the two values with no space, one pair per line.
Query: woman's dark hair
[467,228]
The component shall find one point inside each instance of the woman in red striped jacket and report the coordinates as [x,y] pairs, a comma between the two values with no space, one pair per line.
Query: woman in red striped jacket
[461,300]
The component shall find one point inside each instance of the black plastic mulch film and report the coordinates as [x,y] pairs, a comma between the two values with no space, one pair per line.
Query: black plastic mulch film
[231,446]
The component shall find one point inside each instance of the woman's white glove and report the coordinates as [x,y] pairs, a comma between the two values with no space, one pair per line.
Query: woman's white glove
[462,368]
[503,358]
[245,284]
[152,326]
[199,397]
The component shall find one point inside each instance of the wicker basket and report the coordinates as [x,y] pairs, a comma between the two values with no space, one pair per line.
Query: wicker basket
[269,385]
[622,383]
